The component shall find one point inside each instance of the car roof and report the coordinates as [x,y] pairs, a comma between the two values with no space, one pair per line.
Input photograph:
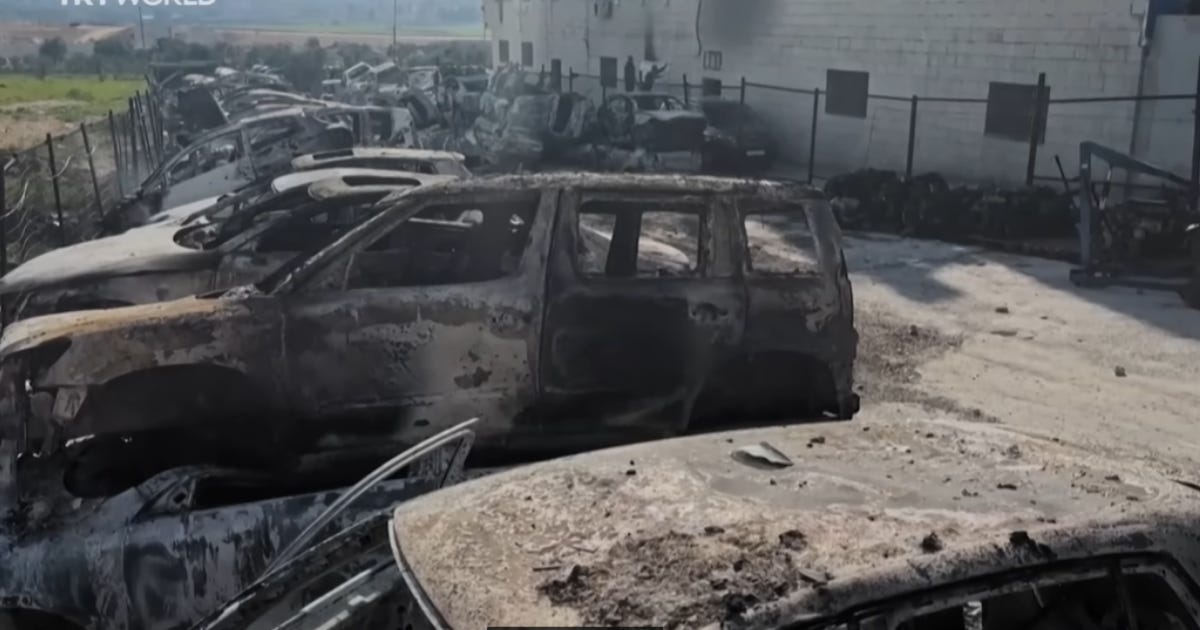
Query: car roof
[651,182]
[855,503]
[289,181]
[312,159]
[352,184]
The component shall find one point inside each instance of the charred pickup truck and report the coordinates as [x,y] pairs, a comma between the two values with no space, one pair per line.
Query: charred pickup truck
[228,243]
[565,310]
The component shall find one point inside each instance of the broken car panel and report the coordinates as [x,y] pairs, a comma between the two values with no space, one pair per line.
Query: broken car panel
[564,310]
[228,243]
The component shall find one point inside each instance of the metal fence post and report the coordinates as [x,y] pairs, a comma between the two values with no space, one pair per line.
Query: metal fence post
[133,148]
[87,147]
[741,101]
[116,149]
[686,92]
[1195,188]
[1035,134]
[912,138]
[144,128]
[62,228]
[3,243]
[812,136]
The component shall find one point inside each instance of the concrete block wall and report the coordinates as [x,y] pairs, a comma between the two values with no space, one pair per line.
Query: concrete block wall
[945,48]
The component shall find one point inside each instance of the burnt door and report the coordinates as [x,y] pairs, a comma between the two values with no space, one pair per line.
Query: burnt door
[433,321]
[641,307]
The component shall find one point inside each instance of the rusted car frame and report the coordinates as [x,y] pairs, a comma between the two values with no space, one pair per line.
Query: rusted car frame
[471,298]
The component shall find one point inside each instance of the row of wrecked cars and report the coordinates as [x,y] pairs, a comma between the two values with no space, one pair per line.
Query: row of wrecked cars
[505,120]
[249,410]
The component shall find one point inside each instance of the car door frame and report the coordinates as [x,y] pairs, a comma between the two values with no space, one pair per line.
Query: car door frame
[242,173]
[713,322]
[492,386]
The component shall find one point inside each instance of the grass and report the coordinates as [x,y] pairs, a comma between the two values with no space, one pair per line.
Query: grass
[89,95]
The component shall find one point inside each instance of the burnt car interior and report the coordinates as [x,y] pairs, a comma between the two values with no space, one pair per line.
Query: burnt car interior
[1142,596]
[448,244]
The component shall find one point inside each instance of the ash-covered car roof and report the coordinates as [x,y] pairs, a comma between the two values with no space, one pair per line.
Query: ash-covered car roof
[664,533]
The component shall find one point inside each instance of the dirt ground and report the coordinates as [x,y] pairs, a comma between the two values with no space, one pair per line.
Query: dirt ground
[25,125]
[959,333]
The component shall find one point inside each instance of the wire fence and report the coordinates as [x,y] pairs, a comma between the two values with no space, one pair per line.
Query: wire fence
[59,192]
[915,133]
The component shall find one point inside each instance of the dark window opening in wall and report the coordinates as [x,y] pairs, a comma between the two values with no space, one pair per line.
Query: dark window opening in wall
[710,87]
[527,54]
[846,93]
[556,75]
[500,10]
[1010,109]
[503,51]
[608,72]
[713,60]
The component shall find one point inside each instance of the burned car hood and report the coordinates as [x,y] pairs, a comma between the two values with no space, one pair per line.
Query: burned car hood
[147,249]
[29,333]
[554,544]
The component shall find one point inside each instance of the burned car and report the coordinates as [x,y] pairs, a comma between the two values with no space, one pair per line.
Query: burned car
[229,158]
[565,310]
[737,138]
[816,527]
[169,551]
[659,122]
[412,160]
[227,243]
[647,132]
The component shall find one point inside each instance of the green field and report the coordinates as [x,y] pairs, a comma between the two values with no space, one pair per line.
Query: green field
[69,97]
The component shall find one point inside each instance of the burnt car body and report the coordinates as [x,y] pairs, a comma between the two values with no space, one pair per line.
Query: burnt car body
[412,160]
[572,310]
[656,122]
[225,244]
[171,550]
[229,158]
[798,527]
[737,138]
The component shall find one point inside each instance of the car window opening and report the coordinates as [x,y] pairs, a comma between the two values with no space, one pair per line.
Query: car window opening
[780,243]
[626,240]
[447,244]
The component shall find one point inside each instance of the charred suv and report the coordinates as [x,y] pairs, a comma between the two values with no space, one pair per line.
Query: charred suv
[564,310]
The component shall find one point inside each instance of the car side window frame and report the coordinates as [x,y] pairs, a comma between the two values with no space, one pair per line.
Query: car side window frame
[909,608]
[654,203]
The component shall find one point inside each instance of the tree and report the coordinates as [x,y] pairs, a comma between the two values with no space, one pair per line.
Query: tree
[313,43]
[111,47]
[54,50]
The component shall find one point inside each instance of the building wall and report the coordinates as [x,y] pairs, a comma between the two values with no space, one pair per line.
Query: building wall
[1164,128]
[946,48]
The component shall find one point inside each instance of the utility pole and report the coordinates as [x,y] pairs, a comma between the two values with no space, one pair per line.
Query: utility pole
[142,26]
[395,20]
